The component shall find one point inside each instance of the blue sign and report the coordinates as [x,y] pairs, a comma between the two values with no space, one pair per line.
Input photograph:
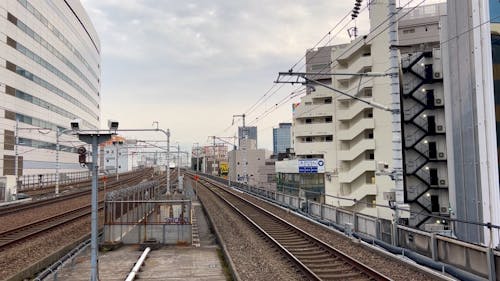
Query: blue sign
[495,10]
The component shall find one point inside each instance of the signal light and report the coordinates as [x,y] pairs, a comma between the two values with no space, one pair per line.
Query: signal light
[82,155]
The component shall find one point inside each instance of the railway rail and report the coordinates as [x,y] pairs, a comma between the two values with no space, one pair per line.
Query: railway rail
[21,233]
[315,258]
[26,231]
[129,178]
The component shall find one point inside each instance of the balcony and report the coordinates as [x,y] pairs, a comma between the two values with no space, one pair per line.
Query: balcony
[355,67]
[359,193]
[349,175]
[313,147]
[356,150]
[313,129]
[313,110]
[356,129]
[352,86]
[347,113]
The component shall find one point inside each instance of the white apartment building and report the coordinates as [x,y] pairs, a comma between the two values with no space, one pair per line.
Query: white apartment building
[347,136]
[49,75]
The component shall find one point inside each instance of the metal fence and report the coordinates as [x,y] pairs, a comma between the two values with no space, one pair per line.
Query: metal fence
[440,250]
[43,180]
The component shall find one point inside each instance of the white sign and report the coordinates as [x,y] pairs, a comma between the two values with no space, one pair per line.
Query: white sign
[311,166]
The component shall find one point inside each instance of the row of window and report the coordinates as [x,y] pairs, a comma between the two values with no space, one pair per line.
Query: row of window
[42,103]
[34,121]
[45,145]
[328,138]
[31,33]
[56,32]
[26,74]
[36,58]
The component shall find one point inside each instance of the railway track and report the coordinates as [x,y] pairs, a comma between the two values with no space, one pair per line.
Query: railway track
[27,231]
[316,259]
[131,178]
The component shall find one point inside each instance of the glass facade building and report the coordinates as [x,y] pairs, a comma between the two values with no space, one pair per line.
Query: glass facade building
[49,75]
[282,138]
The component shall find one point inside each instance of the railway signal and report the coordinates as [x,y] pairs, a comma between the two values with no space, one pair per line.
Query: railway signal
[82,156]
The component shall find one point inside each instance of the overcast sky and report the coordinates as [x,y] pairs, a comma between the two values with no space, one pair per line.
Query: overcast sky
[192,65]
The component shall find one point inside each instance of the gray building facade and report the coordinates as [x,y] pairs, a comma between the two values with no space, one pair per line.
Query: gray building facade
[251,140]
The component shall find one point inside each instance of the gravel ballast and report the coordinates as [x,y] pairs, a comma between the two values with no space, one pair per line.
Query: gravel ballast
[388,266]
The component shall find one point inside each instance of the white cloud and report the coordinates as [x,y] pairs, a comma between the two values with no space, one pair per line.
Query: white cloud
[193,64]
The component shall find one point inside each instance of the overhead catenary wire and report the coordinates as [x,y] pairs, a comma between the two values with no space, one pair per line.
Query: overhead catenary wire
[262,100]
[260,117]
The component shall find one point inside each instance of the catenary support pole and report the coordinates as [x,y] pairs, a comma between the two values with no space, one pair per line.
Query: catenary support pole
[93,243]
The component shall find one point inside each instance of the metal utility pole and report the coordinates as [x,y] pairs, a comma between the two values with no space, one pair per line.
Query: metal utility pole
[95,139]
[397,153]
[178,160]
[245,148]
[198,157]
[168,159]
[213,163]
[116,158]
[16,158]
[58,148]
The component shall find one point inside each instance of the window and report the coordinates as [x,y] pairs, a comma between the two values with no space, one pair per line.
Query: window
[370,135]
[308,139]
[329,138]
[328,100]
[410,30]
[308,120]
[328,119]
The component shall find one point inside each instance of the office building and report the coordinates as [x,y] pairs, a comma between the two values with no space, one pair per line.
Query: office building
[49,75]
[247,137]
[244,165]
[282,138]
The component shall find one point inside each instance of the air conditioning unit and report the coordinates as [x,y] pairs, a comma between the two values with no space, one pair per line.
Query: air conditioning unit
[440,128]
[437,75]
[443,210]
[442,182]
[441,155]
[439,101]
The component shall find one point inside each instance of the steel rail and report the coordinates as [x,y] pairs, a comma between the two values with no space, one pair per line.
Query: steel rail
[317,259]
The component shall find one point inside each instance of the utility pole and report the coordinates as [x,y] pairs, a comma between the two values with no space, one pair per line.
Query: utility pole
[16,158]
[245,148]
[116,159]
[213,163]
[178,161]
[95,139]
[198,158]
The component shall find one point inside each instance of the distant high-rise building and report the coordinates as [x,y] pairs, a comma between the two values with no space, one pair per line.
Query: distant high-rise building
[282,138]
[250,141]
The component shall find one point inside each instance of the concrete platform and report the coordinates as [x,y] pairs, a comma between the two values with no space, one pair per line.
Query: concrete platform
[167,263]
